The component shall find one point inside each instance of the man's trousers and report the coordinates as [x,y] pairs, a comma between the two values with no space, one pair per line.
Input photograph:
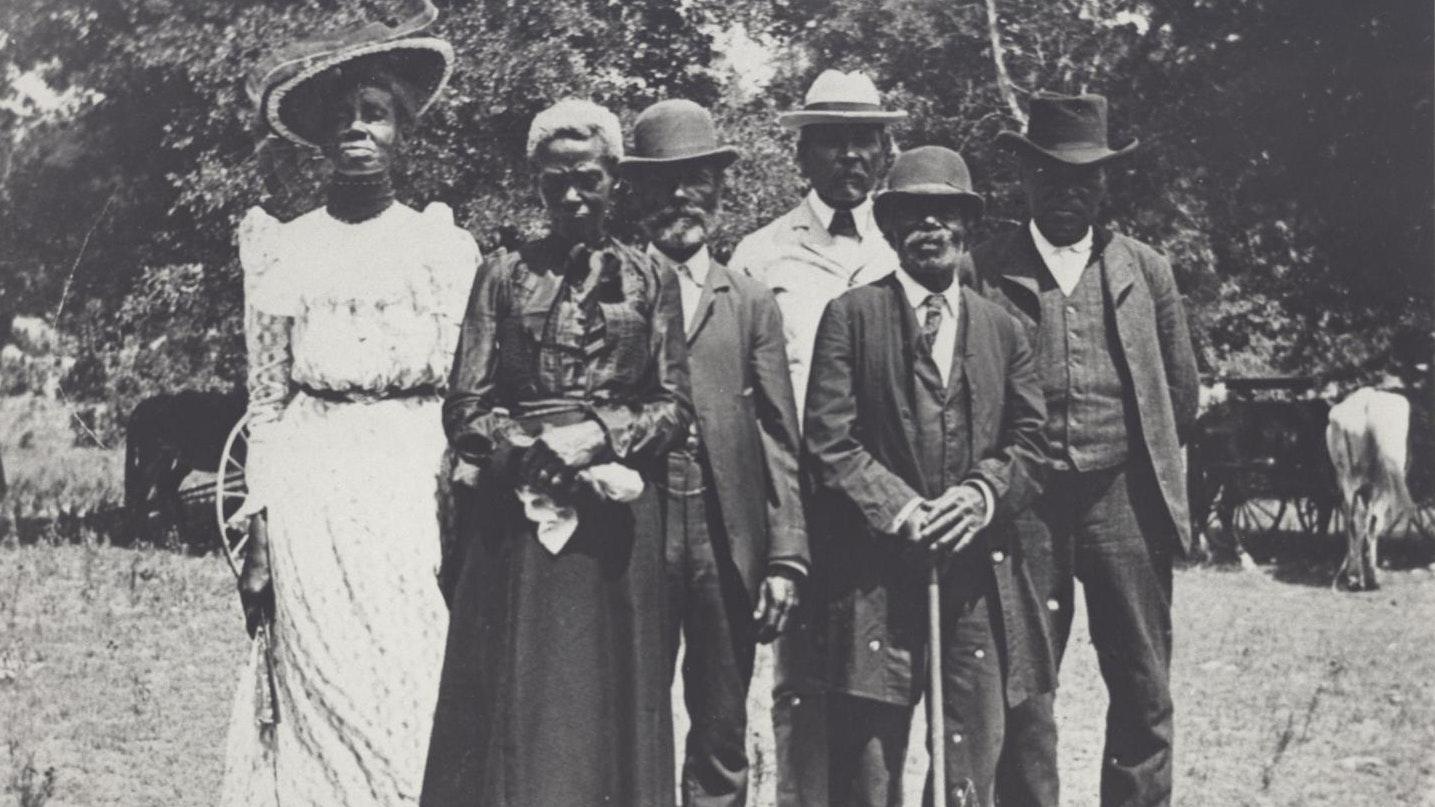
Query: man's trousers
[1109,529]
[709,608]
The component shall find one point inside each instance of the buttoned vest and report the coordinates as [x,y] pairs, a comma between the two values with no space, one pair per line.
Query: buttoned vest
[1088,412]
[944,444]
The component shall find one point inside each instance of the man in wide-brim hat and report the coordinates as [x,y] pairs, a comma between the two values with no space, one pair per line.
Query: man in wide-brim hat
[736,540]
[924,432]
[1119,377]
[807,256]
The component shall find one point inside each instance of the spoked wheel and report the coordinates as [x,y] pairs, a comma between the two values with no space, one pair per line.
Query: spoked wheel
[230,492]
[1252,519]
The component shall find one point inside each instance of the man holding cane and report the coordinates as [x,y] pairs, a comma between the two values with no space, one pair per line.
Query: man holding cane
[924,429]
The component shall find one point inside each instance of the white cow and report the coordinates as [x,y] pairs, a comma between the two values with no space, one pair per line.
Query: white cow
[1367,438]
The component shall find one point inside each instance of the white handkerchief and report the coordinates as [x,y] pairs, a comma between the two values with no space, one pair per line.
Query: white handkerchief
[556,522]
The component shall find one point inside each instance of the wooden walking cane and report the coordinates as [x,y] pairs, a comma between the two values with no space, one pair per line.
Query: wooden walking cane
[936,724]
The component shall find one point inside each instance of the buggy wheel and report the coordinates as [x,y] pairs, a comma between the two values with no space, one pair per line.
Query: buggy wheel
[1257,517]
[230,492]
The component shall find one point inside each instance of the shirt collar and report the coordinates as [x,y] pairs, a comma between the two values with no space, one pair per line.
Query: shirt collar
[698,264]
[1049,250]
[861,215]
[917,294]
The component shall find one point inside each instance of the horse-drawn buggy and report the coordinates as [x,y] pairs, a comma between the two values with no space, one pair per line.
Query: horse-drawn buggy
[1257,464]
[1260,462]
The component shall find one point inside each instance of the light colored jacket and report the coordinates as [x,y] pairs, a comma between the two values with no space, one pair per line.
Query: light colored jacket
[795,257]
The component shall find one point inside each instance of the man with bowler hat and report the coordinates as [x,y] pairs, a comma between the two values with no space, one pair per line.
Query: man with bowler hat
[824,246]
[924,429]
[1119,377]
[736,541]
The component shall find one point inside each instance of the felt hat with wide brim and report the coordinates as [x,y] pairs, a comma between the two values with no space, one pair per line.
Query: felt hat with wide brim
[928,172]
[1067,128]
[674,132]
[289,84]
[837,97]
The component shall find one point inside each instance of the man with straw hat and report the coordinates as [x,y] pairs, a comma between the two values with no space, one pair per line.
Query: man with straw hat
[824,246]
[736,539]
[1119,377]
[924,430]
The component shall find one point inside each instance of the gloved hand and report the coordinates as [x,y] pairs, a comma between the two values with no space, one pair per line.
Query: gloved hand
[256,585]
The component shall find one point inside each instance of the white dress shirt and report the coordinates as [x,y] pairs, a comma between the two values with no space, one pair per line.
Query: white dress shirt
[846,248]
[1065,263]
[692,276]
[946,342]
[943,348]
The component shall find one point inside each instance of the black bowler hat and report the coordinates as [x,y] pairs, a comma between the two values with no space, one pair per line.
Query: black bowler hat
[676,131]
[931,172]
[1067,128]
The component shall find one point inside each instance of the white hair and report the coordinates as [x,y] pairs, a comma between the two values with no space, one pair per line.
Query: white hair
[578,119]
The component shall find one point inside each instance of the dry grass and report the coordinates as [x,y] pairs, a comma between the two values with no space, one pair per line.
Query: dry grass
[117,666]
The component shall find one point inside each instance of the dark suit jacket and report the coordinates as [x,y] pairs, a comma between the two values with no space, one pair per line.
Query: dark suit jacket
[859,441]
[747,417]
[1151,325]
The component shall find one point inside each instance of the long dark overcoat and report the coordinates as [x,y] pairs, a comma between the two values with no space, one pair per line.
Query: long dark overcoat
[860,437]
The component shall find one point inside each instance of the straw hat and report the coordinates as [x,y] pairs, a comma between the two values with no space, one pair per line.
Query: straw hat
[837,97]
[283,83]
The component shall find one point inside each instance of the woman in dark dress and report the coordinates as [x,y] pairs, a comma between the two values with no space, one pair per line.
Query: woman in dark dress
[569,386]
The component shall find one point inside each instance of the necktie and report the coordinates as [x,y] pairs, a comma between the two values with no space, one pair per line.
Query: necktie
[932,320]
[843,224]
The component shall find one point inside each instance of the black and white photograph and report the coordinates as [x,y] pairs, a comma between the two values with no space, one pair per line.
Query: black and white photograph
[717,403]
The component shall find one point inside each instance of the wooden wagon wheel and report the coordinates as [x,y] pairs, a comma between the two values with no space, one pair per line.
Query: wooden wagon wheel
[1315,513]
[230,492]
[1256,516]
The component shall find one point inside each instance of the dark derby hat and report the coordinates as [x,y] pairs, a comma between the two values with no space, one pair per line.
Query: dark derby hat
[930,172]
[676,131]
[287,84]
[1067,128]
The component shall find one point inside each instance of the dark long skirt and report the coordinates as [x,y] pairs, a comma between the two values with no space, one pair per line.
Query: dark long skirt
[554,690]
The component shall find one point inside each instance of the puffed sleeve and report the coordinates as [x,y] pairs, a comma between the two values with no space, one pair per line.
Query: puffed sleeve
[266,342]
[453,262]
[267,319]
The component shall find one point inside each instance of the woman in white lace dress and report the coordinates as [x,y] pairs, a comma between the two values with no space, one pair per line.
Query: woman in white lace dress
[352,313]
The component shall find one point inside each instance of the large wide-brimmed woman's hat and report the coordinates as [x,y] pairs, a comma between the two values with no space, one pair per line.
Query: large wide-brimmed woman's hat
[837,97]
[1068,128]
[287,85]
[676,131]
[928,172]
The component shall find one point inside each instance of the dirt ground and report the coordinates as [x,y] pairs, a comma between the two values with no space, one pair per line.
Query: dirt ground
[117,666]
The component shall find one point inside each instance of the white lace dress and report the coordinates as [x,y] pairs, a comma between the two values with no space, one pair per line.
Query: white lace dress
[351,330]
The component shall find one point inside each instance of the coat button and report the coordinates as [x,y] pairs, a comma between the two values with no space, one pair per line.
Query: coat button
[998,556]
[980,653]
[874,645]
[1053,605]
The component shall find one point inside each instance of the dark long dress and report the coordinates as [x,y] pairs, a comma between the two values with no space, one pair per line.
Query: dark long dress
[554,688]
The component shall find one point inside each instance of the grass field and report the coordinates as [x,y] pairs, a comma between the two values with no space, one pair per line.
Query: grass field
[117,666]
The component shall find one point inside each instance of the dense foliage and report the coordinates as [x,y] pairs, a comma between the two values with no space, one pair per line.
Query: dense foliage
[1286,162]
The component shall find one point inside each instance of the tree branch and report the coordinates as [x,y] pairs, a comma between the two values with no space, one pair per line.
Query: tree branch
[1004,84]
